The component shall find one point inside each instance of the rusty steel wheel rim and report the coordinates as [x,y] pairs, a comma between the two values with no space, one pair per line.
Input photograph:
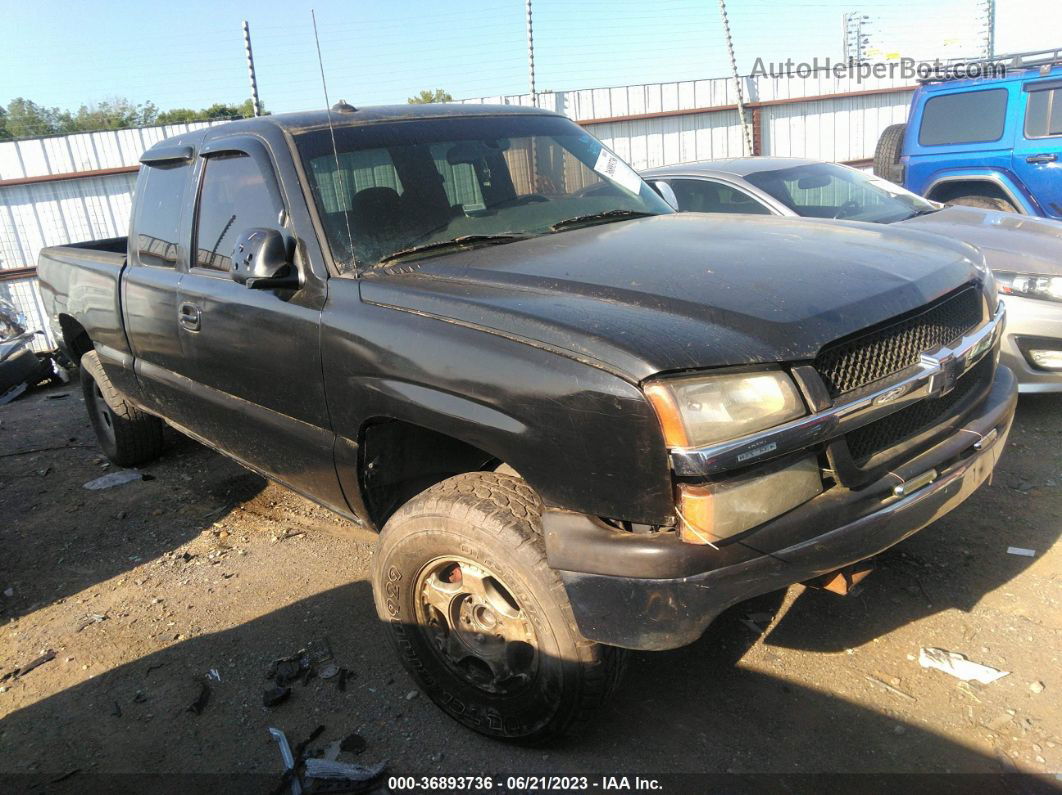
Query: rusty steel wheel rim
[475,625]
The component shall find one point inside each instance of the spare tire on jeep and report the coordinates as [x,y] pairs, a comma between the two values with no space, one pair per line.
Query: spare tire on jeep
[887,154]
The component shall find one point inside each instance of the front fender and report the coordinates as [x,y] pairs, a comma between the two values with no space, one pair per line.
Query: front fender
[585,439]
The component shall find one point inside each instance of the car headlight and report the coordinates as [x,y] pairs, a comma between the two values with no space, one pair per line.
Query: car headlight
[699,410]
[1029,285]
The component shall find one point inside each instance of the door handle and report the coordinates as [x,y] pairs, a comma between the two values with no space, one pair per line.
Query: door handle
[1044,158]
[189,316]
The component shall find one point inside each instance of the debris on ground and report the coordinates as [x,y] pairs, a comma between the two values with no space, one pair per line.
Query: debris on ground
[89,620]
[328,671]
[1028,553]
[17,673]
[1037,687]
[274,696]
[289,761]
[197,706]
[959,666]
[889,688]
[213,674]
[117,711]
[112,479]
[343,771]
[412,694]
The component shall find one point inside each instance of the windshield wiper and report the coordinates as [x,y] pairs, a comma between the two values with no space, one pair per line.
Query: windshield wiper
[602,217]
[455,244]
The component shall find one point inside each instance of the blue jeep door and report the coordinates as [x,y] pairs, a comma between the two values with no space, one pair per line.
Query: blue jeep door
[1038,149]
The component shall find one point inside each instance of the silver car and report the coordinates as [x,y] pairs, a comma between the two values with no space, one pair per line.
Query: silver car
[1025,253]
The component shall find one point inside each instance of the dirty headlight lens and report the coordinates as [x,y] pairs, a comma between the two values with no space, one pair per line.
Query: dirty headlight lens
[1029,286]
[705,409]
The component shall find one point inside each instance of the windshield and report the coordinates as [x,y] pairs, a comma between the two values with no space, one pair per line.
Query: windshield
[829,190]
[475,180]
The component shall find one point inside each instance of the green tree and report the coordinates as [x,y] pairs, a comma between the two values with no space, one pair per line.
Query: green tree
[4,134]
[27,119]
[426,97]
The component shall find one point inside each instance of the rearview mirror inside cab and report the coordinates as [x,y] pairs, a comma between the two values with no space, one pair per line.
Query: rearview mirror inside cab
[263,259]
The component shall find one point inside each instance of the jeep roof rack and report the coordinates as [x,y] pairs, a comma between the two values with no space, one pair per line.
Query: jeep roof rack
[1044,59]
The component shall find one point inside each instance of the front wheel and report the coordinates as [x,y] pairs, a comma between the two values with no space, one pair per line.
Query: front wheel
[480,620]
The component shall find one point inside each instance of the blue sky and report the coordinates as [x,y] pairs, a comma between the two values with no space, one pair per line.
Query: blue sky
[190,54]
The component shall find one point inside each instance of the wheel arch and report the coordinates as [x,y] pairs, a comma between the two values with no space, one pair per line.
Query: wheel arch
[944,188]
[75,341]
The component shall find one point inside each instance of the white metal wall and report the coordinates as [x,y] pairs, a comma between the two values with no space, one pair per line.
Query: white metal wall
[846,128]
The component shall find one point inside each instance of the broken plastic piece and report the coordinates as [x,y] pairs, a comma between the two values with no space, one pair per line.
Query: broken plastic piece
[343,771]
[957,665]
[112,479]
[289,759]
[1028,553]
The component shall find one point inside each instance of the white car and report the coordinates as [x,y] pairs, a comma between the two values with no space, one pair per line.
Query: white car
[1025,253]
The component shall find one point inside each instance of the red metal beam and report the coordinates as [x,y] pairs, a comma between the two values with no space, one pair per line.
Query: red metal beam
[11,274]
[99,172]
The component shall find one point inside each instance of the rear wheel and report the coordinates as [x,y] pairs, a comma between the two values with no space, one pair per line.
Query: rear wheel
[480,620]
[127,435]
[984,202]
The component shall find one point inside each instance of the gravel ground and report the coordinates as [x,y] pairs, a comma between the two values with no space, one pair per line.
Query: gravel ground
[143,589]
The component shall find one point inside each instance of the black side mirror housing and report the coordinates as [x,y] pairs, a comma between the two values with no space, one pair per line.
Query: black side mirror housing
[263,259]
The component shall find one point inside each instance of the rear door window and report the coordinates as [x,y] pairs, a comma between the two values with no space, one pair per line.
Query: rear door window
[236,196]
[158,214]
[967,118]
[1043,113]
[708,196]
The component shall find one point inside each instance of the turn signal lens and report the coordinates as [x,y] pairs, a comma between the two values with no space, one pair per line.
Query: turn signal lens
[710,513]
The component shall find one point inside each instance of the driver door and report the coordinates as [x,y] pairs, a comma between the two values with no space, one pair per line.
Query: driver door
[251,357]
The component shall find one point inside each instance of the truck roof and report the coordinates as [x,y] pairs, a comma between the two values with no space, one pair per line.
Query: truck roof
[304,121]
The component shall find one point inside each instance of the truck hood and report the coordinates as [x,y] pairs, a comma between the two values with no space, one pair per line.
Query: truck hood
[683,291]
[1010,242]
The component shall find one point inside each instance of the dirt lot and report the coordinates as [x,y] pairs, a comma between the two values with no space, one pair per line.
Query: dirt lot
[205,566]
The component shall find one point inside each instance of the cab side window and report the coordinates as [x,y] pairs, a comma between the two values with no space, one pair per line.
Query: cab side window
[706,196]
[236,196]
[163,189]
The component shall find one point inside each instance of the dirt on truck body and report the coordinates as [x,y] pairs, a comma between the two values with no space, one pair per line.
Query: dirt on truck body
[478,332]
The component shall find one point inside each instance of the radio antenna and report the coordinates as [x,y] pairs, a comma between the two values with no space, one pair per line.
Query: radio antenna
[339,184]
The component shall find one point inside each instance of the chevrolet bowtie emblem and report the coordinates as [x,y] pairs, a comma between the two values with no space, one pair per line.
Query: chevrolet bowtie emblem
[946,368]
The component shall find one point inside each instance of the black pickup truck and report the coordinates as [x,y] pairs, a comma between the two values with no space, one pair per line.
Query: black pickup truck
[582,423]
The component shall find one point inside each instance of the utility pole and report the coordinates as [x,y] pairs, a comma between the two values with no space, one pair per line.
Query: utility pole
[746,136]
[855,40]
[531,56]
[990,23]
[256,106]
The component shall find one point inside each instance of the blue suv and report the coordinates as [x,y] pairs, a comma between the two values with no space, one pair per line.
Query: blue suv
[994,143]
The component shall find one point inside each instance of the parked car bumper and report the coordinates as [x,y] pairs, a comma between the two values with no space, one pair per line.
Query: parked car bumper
[655,592]
[1032,324]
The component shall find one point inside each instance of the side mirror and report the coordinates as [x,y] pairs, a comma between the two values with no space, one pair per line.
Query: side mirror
[262,259]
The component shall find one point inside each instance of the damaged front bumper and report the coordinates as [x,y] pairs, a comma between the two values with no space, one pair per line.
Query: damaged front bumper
[655,592]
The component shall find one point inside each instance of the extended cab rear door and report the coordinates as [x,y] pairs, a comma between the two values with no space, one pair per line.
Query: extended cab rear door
[164,193]
[251,358]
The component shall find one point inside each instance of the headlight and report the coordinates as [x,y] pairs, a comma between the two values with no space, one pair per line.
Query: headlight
[704,409]
[1029,285]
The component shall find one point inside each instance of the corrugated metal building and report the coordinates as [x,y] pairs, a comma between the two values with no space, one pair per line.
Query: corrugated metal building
[79,187]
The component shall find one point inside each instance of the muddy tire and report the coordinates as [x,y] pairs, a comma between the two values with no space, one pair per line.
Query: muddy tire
[984,202]
[479,619]
[127,435]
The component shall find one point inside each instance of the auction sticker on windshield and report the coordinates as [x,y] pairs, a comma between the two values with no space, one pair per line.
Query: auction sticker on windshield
[611,167]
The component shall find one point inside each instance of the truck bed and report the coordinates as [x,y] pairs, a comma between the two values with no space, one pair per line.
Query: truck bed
[82,280]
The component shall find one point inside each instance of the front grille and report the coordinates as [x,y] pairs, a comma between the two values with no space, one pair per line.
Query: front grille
[853,363]
[889,431]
